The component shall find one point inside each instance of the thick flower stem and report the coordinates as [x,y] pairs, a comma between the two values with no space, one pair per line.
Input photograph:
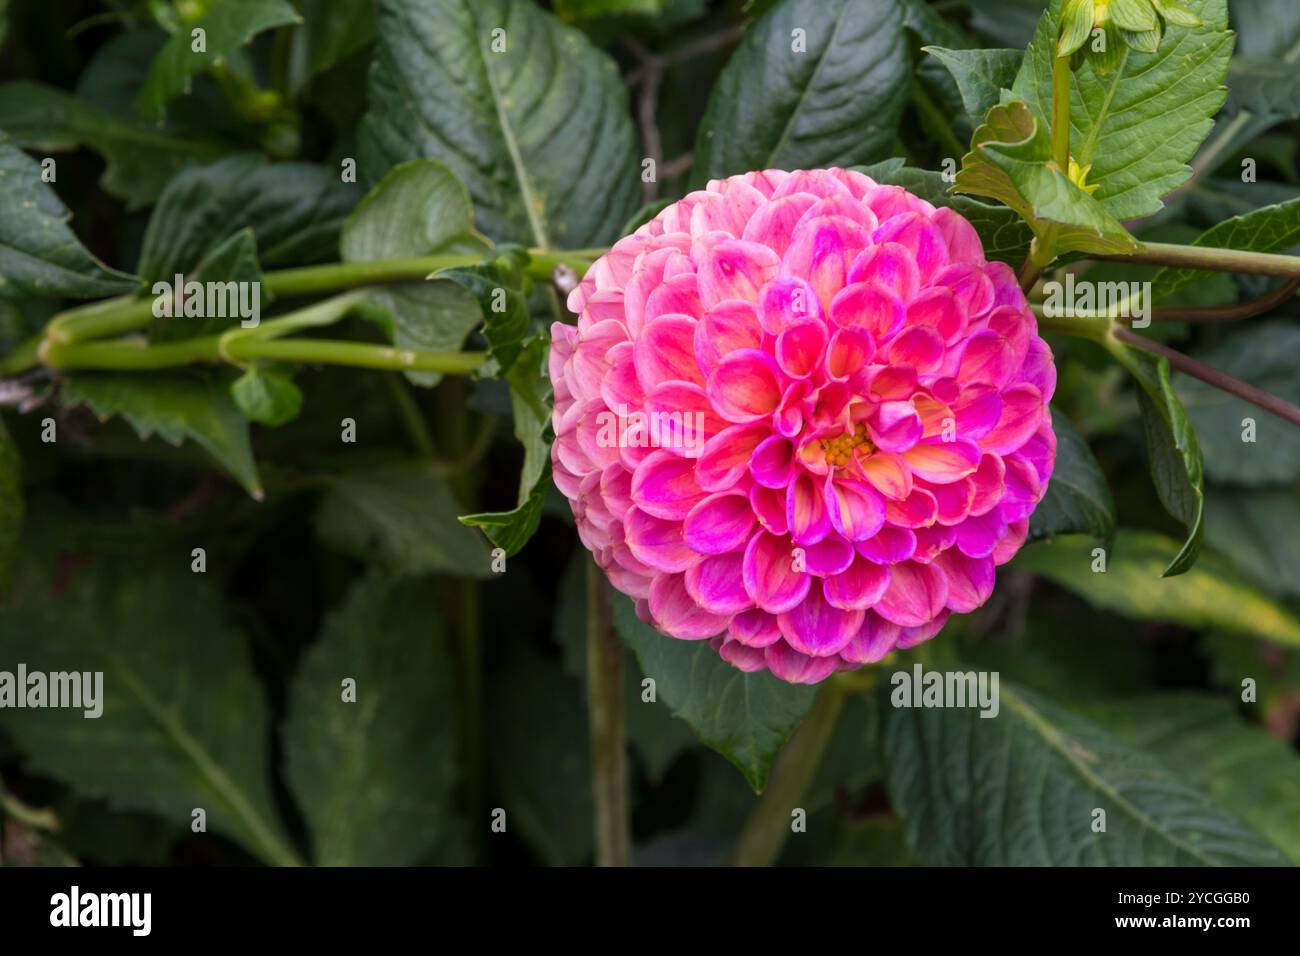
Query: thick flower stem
[769,824]
[1212,259]
[605,712]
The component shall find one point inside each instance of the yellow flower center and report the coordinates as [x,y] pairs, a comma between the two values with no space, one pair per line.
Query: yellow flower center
[840,451]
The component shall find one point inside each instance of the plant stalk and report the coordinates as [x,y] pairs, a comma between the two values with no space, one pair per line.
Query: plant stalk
[768,826]
[608,731]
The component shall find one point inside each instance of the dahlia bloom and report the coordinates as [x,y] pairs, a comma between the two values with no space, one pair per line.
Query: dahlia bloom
[801,417]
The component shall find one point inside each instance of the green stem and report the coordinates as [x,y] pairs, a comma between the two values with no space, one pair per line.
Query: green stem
[768,826]
[1212,259]
[1061,113]
[608,731]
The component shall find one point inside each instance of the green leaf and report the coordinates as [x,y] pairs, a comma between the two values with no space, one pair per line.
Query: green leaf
[530,403]
[971,792]
[745,717]
[1264,355]
[140,158]
[1258,530]
[540,133]
[420,208]
[1270,229]
[1211,595]
[331,32]
[174,406]
[1139,124]
[402,517]
[1200,738]
[267,396]
[838,103]
[1078,499]
[39,255]
[375,777]
[185,723]
[1003,233]
[294,210]
[233,260]
[11,505]
[1011,161]
[227,26]
[510,530]
[498,287]
[1269,89]
[981,75]
[1173,452]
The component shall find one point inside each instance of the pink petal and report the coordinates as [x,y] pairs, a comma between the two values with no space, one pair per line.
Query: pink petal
[657,543]
[747,659]
[915,231]
[977,536]
[917,510]
[960,236]
[805,510]
[774,222]
[970,580]
[787,301]
[733,269]
[769,575]
[726,455]
[772,464]
[890,545]
[664,485]
[856,510]
[822,249]
[726,327]
[675,612]
[858,587]
[850,349]
[818,628]
[769,508]
[719,523]
[868,306]
[920,347]
[795,668]
[716,584]
[889,265]
[974,288]
[1022,411]
[988,479]
[799,348]
[976,410]
[681,418]
[943,462]
[988,359]
[939,309]
[666,350]
[1010,543]
[896,426]
[755,628]
[873,642]
[829,556]
[888,473]
[745,386]
[915,596]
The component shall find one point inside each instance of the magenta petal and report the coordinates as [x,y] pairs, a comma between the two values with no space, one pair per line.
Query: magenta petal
[755,628]
[1023,488]
[666,350]
[657,543]
[772,464]
[888,473]
[787,301]
[970,580]
[915,231]
[745,386]
[681,418]
[796,668]
[717,586]
[963,241]
[889,265]
[799,348]
[805,510]
[976,410]
[769,508]
[726,455]
[943,462]
[916,594]
[719,523]
[822,249]
[918,510]
[1010,543]
[849,350]
[1039,369]
[889,546]
[733,269]
[743,658]
[920,347]
[933,540]
[868,306]
[1022,411]
[988,359]
[829,556]
[874,640]
[664,485]
[937,308]
[726,327]
[896,426]
[977,536]
[988,479]
[818,628]
[769,574]
[912,636]
[675,612]
[857,510]
[857,587]
[774,222]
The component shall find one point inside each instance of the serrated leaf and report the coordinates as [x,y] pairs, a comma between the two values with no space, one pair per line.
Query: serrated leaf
[420,208]
[11,505]
[1011,161]
[981,75]
[836,104]
[1269,229]
[294,210]
[375,777]
[267,396]
[1139,124]
[539,132]
[1078,499]
[40,256]
[331,32]
[185,722]
[1173,451]
[174,406]
[1265,356]
[970,792]
[140,157]
[233,260]
[1242,768]
[226,26]
[497,286]
[1002,232]
[403,518]
[1211,595]
[745,717]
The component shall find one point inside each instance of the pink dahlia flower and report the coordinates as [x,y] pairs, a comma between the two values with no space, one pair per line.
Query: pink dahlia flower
[801,417]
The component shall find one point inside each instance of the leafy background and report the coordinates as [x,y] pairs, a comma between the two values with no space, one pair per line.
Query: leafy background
[328,560]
